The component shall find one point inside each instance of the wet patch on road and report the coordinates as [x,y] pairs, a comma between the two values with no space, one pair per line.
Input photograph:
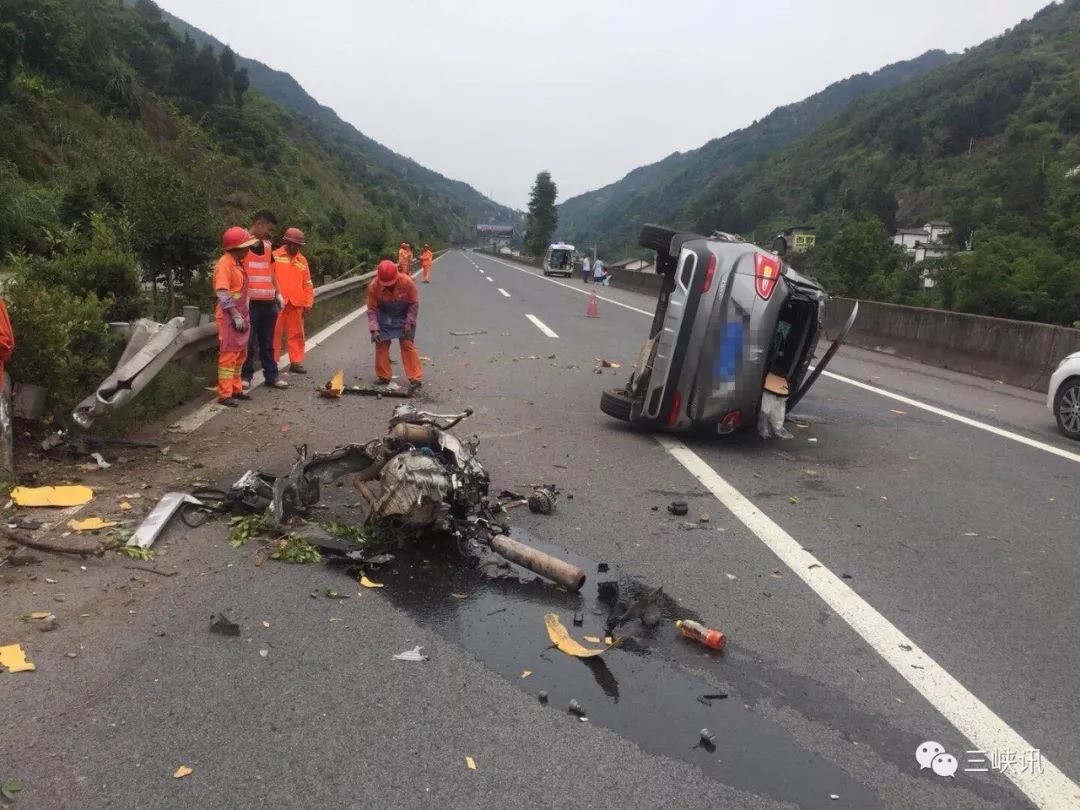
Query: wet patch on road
[647,689]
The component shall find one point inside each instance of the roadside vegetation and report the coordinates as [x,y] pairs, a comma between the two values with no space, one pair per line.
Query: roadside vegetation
[125,149]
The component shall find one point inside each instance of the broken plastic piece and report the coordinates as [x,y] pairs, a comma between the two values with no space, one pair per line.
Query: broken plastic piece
[335,387]
[14,659]
[181,772]
[411,655]
[561,639]
[367,583]
[678,508]
[159,518]
[90,524]
[470,763]
[220,624]
[52,496]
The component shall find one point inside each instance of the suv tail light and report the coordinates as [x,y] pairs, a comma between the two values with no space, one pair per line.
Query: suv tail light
[732,419]
[710,271]
[673,414]
[766,274]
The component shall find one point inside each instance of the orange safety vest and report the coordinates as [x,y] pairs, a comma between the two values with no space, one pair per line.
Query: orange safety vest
[7,339]
[404,259]
[259,269]
[425,259]
[294,278]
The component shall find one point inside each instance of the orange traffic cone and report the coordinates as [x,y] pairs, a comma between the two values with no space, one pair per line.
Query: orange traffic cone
[593,308]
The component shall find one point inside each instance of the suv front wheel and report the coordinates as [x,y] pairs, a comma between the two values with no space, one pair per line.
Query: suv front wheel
[1067,408]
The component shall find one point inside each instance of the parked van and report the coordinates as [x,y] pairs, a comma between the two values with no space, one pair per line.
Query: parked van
[559,260]
[732,323]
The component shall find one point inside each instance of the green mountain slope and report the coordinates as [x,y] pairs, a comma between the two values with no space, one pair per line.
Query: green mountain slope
[660,191]
[284,89]
[987,142]
[125,149]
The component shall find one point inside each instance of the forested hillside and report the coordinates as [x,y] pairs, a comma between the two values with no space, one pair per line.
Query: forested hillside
[284,89]
[125,148]
[660,191]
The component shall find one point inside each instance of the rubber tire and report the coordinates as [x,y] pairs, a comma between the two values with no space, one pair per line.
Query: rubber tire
[617,404]
[1071,382]
[657,237]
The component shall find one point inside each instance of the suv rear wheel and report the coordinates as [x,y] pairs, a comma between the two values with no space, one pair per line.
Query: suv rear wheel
[617,404]
[1067,408]
[657,237]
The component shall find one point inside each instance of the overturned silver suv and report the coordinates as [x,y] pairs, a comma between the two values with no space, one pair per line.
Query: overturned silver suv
[734,328]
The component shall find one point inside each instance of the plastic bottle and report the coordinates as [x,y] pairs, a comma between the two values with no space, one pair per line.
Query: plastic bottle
[700,633]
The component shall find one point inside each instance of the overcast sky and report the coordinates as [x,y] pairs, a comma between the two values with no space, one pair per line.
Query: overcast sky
[493,92]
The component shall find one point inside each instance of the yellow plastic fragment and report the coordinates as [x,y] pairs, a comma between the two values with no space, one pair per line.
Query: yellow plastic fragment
[74,495]
[609,640]
[592,639]
[38,615]
[526,673]
[125,506]
[561,639]
[459,596]
[367,583]
[90,524]
[470,763]
[14,659]
[181,772]
[336,387]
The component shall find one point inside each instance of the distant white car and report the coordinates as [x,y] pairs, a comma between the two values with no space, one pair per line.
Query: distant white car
[1063,397]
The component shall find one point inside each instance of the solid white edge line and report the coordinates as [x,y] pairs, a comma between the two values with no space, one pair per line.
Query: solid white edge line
[966,420]
[1050,790]
[489,278]
[200,416]
[504,292]
[543,327]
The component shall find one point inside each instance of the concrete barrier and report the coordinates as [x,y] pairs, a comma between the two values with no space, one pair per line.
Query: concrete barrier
[1020,353]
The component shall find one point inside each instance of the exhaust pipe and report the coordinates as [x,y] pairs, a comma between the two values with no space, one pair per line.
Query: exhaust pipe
[569,576]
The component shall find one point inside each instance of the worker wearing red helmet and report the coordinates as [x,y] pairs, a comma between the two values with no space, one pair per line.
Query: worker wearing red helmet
[294,283]
[425,262]
[233,321]
[393,304]
[404,257]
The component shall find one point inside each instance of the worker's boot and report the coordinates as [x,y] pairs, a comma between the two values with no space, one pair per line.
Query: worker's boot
[382,380]
[229,402]
[414,387]
[244,395]
[298,368]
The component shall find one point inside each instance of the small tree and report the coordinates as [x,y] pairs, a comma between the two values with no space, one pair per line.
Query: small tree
[542,218]
[240,85]
[227,63]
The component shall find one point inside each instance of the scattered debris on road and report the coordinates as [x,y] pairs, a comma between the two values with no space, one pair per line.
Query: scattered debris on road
[182,771]
[470,763]
[679,508]
[220,624]
[14,659]
[91,524]
[714,639]
[646,608]
[544,500]
[367,583]
[154,523]
[411,655]
[560,637]
[71,495]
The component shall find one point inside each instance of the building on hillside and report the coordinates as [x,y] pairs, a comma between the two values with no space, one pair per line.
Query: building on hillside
[908,238]
[797,239]
[938,229]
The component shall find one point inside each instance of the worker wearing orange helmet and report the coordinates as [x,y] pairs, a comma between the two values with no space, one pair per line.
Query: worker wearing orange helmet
[393,304]
[404,257]
[294,283]
[425,262]
[233,320]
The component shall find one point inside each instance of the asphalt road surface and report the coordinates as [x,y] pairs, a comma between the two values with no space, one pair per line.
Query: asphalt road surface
[901,571]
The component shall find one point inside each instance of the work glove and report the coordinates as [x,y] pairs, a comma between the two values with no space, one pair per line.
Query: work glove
[238,323]
[408,333]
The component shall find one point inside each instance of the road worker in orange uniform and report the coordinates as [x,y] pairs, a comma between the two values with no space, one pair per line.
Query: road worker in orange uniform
[264,303]
[393,304]
[425,262]
[233,320]
[294,283]
[7,340]
[404,257]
